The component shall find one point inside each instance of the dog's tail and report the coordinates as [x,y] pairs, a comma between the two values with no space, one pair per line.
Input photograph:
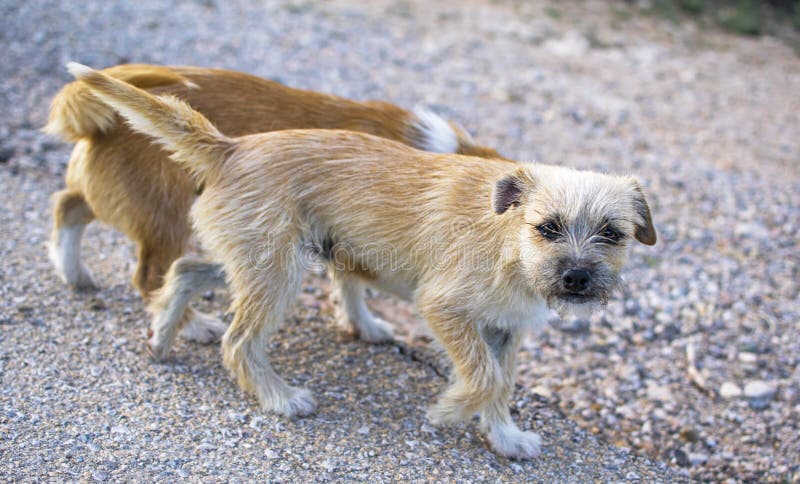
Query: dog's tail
[429,132]
[75,113]
[194,142]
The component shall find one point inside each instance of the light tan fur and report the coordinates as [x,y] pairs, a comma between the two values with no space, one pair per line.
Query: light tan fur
[187,277]
[460,236]
[122,178]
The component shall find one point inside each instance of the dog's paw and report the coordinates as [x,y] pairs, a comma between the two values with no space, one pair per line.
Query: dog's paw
[85,280]
[368,327]
[69,267]
[446,412]
[510,441]
[76,276]
[299,403]
[375,330]
[204,328]
[156,348]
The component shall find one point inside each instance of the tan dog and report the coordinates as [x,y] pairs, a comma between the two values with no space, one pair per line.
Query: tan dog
[479,245]
[122,178]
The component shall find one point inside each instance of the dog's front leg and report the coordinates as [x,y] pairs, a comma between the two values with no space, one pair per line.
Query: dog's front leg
[478,376]
[502,433]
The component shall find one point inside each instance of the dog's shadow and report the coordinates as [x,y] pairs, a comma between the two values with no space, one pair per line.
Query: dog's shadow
[372,402]
[370,396]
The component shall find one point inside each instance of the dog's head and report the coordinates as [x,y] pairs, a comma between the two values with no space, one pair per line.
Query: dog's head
[574,228]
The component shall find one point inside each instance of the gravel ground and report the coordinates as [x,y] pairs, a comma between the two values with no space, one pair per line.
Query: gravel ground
[696,365]
[80,399]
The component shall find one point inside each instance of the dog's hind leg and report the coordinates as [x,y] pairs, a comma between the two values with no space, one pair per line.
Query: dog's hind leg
[263,292]
[187,278]
[71,214]
[153,261]
[352,314]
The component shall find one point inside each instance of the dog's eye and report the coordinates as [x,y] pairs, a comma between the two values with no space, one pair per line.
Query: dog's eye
[549,230]
[609,235]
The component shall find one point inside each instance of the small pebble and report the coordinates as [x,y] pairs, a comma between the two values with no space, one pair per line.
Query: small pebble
[689,434]
[730,390]
[698,459]
[759,390]
[659,392]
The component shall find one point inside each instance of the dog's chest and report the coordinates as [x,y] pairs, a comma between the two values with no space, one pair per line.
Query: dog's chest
[527,312]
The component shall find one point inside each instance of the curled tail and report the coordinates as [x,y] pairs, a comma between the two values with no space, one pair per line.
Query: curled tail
[75,113]
[194,142]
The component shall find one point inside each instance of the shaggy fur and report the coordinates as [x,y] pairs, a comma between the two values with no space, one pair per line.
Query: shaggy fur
[122,178]
[466,239]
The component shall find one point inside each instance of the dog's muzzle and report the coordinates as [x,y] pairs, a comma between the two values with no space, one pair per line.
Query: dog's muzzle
[576,287]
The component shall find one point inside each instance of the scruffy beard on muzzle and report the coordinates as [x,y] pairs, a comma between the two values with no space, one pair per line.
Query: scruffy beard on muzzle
[580,310]
[604,288]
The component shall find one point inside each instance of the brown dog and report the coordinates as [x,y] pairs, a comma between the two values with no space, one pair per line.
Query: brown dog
[121,178]
[481,246]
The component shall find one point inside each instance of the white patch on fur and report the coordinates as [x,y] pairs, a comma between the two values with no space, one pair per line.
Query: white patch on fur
[299,403]
[529,313]
[438,135]
[162,332]
[65,253]
[507,439]
[78,71]
[568,310]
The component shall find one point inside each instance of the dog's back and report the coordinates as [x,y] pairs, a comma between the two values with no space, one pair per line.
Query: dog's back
[122,178]
[240,104]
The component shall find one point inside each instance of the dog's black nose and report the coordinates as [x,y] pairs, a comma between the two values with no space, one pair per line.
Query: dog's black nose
[576,279]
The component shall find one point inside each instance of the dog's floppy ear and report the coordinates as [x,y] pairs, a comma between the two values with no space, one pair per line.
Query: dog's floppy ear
[645,231]
[509,191]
